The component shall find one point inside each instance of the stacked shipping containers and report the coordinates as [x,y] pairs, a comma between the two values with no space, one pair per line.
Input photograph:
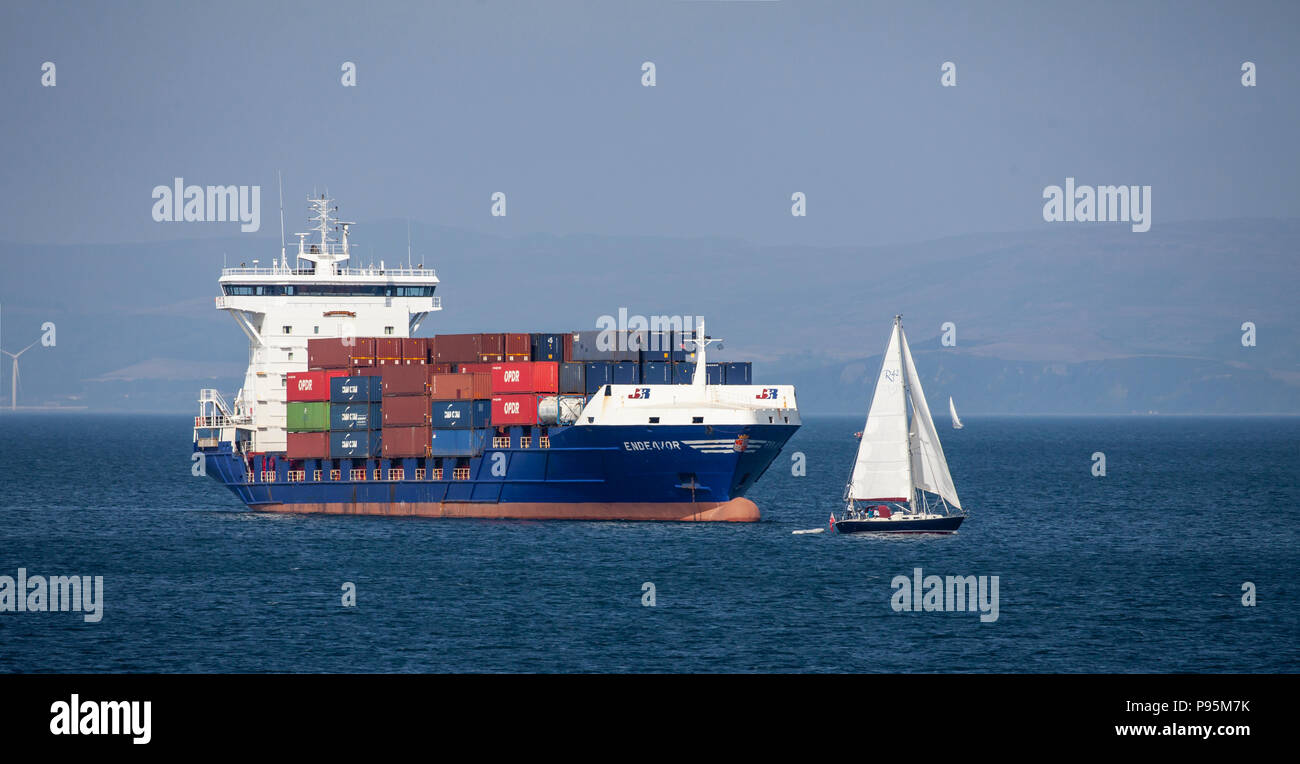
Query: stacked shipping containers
[414,397]
[307,413]
[355,417]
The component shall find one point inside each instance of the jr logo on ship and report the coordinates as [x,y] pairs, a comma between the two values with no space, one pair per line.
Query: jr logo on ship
[641,393]
[767,394]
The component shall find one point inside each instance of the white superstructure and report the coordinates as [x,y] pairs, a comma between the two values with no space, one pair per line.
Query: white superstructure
[281,307]
[694,403]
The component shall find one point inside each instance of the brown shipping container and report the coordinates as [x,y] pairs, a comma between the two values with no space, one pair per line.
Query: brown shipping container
[308,445]
[519,347]
[327,353]
[405,410]
[404,380]
[459,387]
[568,347]
[388,347]
[363,363]
[457,348]
[493,344]
[474,368]
[439,368]
[406,441]
[363,347]
[415,349]
[367,371]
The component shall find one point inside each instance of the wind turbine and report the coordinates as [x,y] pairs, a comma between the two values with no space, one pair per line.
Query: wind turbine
[13,393]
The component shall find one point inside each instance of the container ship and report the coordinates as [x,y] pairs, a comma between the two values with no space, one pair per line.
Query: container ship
[344,411]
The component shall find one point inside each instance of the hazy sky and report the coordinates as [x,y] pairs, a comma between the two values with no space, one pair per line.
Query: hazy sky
[544,101]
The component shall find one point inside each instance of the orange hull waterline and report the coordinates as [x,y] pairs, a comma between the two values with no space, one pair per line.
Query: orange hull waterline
[739,510]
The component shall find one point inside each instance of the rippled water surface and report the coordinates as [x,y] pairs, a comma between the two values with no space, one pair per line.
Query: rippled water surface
[1140,570]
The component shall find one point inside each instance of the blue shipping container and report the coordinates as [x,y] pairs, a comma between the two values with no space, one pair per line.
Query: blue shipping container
[659,346]
[587,346]
[356,444]
[714,371]
[627,373]
[738,373]
[657,373]
[573,378]
[468,442]
[356,416]
[683,373]
[598,375]
[461,414]
[356,389]
[548,347]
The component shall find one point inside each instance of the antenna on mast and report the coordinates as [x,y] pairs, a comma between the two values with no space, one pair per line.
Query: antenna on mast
[408,243]
[280,181]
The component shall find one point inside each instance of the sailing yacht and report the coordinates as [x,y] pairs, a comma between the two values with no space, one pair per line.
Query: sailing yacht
[900,463]
[952,410]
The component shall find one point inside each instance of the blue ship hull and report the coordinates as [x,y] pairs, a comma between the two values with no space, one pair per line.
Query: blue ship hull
[589,472]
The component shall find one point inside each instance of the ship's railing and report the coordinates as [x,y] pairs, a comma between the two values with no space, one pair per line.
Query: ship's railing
[370,270]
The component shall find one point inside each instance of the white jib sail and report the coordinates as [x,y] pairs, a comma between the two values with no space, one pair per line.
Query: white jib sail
[882,469]
[952,411]
[929,467]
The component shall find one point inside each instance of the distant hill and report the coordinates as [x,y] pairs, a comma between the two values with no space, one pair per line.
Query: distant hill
[1082,319]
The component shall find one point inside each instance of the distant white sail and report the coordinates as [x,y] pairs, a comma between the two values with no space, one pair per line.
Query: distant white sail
[952,410]
[929,467]
[883,466]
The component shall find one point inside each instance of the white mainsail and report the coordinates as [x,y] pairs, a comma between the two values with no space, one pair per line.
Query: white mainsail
[929,467]
[883,469]
[952,411]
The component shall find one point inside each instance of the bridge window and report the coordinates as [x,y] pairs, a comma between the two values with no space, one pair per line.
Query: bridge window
[388,330]
[329,290]
[287,329]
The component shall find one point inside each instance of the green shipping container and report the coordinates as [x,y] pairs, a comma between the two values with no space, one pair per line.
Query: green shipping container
[307,417]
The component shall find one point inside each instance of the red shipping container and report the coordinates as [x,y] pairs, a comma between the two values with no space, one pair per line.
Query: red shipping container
[519,345]
[415,349]
[457,348]
[514,409]
[308,445]
[310,385]
[404,410]
[404,380]
[459,387]
[402,442]
[388,347]
[527,377]
[568,347]
[367,371]
[362,363]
